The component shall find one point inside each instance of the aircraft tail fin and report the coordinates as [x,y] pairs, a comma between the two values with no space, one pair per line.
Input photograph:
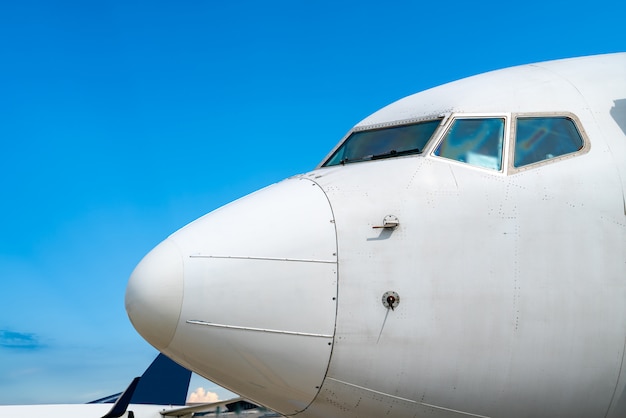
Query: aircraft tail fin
[163,383]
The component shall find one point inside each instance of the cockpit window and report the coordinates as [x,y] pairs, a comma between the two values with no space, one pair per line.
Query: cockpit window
[543,138]
[475,141]
[381,143]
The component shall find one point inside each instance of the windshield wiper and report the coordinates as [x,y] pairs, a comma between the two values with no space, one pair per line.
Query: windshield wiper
[394,153]
[388,154]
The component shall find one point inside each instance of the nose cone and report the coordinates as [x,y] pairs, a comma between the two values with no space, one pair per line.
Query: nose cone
[258,295]
[154,294]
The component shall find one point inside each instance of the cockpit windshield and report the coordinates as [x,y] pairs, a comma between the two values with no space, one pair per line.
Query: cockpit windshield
[475,141]
[381,143]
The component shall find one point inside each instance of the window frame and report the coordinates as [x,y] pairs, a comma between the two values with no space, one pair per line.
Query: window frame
[394,124]
[511,169]
[445,128]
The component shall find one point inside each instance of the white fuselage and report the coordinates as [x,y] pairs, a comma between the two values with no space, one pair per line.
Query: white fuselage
[511,281]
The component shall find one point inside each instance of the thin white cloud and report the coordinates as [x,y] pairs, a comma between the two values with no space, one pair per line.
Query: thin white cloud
[201,396]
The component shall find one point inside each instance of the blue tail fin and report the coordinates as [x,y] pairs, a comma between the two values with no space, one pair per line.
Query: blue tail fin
[163,383]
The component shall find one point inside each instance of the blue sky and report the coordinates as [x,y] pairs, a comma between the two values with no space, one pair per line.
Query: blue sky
[121,121]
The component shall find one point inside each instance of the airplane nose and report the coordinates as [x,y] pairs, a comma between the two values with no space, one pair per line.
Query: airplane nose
[154,294]
[258,294]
